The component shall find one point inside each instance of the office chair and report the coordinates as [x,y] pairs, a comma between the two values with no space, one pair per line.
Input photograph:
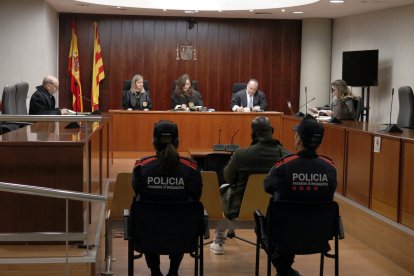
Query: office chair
[254,197]
[166,227]
[358,107]
[238,86]
[195,85]
[127,85]
[406,111]
[9,107]
[22,89]
[9,100]
[300,228]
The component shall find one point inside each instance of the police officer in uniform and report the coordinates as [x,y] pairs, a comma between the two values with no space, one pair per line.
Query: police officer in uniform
[304,176]
[166,176]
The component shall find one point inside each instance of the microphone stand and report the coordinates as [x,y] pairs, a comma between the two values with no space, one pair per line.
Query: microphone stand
[232,147]
[219,147]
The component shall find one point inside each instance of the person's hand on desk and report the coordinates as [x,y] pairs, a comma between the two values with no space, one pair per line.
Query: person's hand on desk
[65,111]
[240,109]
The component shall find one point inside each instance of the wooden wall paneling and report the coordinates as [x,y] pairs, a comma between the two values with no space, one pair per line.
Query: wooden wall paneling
[219,94]
[333,146]
[229,50]
[385,178]
[407,192]
[358,169]
[213,69]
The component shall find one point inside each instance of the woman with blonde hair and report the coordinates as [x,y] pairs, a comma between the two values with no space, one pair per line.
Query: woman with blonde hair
[342,106]
[137,98]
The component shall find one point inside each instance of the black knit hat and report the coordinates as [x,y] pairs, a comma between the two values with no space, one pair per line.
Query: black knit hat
[310,131]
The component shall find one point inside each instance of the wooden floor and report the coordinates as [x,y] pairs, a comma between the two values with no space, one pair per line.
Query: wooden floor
[239,259]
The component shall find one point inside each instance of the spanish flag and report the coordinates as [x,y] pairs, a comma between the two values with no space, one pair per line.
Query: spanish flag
[98,73]
[74,71]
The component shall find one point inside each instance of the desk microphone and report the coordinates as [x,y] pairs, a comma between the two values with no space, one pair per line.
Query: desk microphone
[219,147]
[307,102]
[95,112]
[392,127]
[232,147]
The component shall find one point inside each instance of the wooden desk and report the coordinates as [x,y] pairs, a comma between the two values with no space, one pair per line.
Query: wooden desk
[48,155]
[132,130]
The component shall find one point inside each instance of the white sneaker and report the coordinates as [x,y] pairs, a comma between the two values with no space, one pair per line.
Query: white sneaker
[217,248]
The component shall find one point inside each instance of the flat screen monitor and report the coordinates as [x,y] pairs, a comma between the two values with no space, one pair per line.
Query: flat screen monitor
[360,68]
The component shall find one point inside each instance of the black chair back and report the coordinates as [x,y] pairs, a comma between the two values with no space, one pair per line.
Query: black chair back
[9,100]
[299,227]
[302,227]
[406,111]
[166,228]
[238,86]
[127,85]
[358,107]
[216,162]
[22,88]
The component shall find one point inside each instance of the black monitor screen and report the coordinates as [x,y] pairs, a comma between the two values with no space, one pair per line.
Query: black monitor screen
[360,68]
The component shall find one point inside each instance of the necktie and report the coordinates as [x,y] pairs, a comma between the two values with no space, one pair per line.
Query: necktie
[250,105]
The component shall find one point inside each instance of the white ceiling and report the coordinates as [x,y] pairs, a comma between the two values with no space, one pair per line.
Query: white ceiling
[321,9]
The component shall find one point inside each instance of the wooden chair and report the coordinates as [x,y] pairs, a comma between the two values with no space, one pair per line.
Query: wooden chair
[122,197]
[211,195]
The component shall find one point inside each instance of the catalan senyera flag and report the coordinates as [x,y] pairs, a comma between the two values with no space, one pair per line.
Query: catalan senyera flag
[98,73]
[74,71]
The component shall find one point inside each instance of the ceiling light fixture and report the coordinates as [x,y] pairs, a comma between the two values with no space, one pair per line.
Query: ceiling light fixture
[336,1]
[298,12]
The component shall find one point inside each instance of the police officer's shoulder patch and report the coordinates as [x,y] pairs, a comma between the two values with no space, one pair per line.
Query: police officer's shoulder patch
[188,162]
[145,160]
[285,159]
[326,159]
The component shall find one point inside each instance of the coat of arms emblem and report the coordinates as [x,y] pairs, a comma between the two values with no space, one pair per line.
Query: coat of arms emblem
[186,51]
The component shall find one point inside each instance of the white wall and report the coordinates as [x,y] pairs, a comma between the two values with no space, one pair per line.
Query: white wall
[390,31]
[29,42]
[315,73]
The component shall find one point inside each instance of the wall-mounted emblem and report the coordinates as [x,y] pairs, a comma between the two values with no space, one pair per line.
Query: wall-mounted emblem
[186,51]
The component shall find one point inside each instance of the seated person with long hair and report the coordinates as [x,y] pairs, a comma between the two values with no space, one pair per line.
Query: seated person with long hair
[164,165]
[342,106]
[137,98]
[184,94]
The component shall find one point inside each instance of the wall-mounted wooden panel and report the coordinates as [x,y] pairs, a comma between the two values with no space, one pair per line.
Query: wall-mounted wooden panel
[229,51]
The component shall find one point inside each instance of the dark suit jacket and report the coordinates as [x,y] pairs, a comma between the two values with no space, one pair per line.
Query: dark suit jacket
[240,98]
[42,103]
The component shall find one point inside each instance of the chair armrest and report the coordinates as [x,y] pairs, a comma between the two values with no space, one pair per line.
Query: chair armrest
[206,225]
[260,222]
[126,224]
[341,232]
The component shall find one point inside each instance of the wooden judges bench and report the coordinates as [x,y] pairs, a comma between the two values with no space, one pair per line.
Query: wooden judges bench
[47,154]
[382,181]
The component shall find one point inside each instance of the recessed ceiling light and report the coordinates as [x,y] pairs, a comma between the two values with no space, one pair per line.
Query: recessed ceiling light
[283,10]
[336,1]
[251,10]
